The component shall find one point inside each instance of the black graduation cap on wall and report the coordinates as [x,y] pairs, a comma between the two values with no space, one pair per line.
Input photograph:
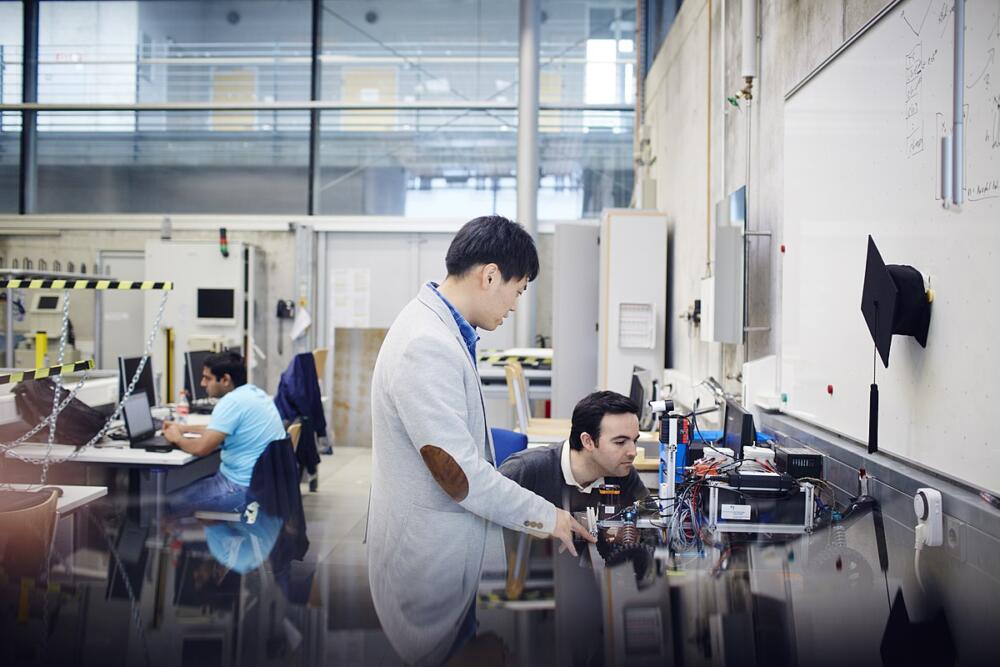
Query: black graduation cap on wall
[894,301]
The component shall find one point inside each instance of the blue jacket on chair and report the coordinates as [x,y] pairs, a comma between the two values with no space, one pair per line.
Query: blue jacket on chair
[299,397]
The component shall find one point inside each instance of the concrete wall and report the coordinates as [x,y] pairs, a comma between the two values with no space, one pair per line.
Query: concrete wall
[700,151]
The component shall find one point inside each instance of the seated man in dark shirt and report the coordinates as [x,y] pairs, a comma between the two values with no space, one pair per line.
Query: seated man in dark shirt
[600,450]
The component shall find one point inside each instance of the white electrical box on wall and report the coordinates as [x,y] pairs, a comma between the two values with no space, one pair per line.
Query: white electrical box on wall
[633,295]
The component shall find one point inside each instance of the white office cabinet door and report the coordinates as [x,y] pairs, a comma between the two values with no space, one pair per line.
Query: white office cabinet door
[634,285]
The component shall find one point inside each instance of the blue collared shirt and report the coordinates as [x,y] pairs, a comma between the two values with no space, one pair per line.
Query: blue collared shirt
[468,332]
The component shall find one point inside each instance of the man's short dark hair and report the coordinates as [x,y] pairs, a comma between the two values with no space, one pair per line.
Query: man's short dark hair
[589,412]
[227,362]
[493,239]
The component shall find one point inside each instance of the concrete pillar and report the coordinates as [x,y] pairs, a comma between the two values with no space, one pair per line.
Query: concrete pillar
[527,151]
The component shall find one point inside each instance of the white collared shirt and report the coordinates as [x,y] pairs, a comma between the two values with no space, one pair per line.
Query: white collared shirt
[567,470]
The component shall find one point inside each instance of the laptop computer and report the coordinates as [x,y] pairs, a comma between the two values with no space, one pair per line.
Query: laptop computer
[139,425]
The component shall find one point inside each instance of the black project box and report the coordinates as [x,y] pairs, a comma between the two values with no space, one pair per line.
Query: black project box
[799,462]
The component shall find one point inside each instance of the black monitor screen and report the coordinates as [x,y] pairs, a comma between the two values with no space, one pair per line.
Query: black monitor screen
[739,428]
[48,302]
[126,370]
[194,362]
[216,303]
[636,393]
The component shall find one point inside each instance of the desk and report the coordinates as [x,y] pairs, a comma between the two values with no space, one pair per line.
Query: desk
[645,438]
[72,498]
[494,382]
[151,467]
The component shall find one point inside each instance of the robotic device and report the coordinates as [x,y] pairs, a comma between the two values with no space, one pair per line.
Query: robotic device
[719,498]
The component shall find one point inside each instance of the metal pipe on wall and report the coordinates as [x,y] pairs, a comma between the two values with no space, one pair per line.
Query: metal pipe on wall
[527,151]
[708,149]
[958,109]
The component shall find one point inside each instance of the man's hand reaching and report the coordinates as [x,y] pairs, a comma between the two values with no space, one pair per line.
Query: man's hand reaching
[566,525]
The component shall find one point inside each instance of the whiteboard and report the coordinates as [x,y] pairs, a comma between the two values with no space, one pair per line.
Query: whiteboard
[862,156]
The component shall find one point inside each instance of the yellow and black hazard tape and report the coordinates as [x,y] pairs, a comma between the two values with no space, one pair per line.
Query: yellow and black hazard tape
[51,371]
[501,359]
[87,284]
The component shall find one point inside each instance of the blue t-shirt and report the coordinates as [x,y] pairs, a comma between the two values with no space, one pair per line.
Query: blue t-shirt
[251,422]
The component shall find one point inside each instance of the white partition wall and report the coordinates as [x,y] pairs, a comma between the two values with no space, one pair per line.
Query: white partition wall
[575,312]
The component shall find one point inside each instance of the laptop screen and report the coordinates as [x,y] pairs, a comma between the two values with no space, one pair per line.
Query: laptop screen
[138,418]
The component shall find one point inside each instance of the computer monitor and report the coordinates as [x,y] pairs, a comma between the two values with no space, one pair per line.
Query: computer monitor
[126,370]
[641,392]
[194,362]
[216,306]
[738,430]
[138,418]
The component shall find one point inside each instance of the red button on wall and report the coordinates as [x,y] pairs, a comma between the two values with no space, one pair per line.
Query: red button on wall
[829,389]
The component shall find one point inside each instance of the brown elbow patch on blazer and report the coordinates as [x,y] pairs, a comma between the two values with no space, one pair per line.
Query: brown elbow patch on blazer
[446,471]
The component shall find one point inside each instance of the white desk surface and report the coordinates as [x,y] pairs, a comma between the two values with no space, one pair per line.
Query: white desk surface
[110,454]
[546,440]
[72,498]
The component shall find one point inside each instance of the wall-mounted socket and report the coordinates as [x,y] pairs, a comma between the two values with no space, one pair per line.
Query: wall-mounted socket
[954,538]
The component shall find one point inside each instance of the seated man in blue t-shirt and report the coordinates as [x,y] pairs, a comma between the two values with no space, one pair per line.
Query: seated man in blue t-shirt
[244,422]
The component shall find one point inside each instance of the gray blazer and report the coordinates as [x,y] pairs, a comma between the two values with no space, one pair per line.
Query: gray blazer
[426,551]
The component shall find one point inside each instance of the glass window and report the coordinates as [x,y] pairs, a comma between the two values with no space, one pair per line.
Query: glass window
[184,162]
[394,161]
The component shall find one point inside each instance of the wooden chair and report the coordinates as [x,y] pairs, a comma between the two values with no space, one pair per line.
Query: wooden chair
[517,393]
[319,355]
[28,535]
[295,432]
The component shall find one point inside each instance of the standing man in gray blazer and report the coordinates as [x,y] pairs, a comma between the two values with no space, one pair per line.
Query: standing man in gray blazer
[437,501]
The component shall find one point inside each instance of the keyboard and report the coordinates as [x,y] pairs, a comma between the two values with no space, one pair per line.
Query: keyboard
[156,443]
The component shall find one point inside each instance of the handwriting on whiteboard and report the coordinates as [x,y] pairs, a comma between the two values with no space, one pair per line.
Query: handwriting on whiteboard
[914,82]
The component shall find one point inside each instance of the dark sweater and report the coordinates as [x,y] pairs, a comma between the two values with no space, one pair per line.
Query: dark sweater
[539,469]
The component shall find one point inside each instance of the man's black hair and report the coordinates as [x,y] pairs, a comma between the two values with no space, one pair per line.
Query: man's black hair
[493,239]
[227,362]
[589,412]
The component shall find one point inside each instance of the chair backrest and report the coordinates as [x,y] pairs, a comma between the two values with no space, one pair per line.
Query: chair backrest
[295,432]
[517,391]
[27,537]
[320,354]
[275,480]
[506,443]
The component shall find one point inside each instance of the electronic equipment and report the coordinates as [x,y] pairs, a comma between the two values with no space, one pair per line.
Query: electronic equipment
[738,431]
[641,392]
[194,362]
[139,425]
[216,306]
[126,371]
[760,503]
[927,506]
[43,313]
[799,462]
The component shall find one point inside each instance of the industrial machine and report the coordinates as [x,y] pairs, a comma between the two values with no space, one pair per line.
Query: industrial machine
[216,304]
[37,325]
